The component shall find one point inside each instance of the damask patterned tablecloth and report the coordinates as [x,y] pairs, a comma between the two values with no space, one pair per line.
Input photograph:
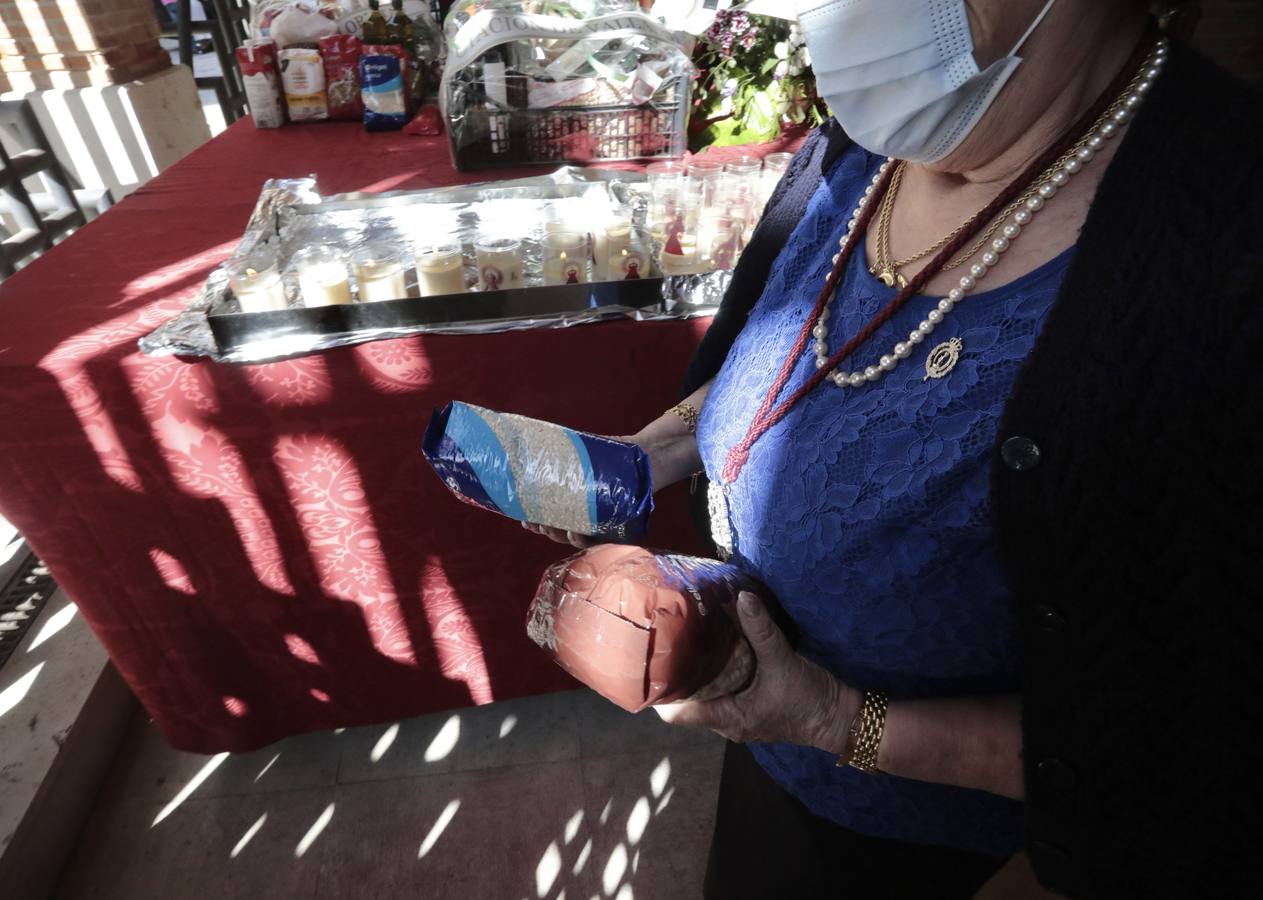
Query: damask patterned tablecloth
[262,549]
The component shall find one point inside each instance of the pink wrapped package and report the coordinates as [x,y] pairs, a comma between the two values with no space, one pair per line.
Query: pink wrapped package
[641,627]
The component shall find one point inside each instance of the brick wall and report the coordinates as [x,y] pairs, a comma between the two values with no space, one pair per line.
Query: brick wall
[1231,33]
[77,43]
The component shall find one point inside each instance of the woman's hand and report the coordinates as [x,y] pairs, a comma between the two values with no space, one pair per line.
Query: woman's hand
[791,699]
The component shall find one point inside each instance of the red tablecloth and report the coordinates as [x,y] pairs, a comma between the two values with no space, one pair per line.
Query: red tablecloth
[263,550]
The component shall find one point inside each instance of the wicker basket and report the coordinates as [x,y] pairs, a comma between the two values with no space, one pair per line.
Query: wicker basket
[578,134]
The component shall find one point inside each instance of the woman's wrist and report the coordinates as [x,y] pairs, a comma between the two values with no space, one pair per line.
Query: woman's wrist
[841,709]
[671,448]
[671,442]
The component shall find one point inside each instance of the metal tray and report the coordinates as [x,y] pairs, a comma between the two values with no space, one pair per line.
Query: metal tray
[291,214]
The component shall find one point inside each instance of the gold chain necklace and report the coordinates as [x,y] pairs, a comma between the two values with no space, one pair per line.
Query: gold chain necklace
[887,269]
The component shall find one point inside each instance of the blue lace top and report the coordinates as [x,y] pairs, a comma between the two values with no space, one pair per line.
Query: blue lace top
[867,510]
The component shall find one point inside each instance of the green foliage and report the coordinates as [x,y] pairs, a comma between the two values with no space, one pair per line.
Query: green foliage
[754,76]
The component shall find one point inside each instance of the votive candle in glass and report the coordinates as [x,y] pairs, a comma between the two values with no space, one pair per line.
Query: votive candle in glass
[725,249]
[322,276]
[746,166]
[735,196]
[628,264]
[440,268]
[565,257]
[609,238]
[680,257]
[379,272]
[712,227]
[666,183]
[774,166]
[499,263]
[703,179]
[256,281]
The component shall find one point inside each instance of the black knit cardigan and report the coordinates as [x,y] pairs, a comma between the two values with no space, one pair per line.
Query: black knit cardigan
[1128,504]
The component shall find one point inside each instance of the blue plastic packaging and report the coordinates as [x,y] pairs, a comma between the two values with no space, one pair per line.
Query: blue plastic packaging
[382,87]
[541,473]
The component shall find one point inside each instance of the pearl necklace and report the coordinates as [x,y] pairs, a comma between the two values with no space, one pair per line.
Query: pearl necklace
[1018,214]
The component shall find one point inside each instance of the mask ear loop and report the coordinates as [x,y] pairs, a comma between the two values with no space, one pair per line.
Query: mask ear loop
[1039,18]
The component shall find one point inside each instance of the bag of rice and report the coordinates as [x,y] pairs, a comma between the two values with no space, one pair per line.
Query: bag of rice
[542,473]
[383,80]
[641,627]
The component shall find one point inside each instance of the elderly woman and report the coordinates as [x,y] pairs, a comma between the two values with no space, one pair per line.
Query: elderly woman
[982,408]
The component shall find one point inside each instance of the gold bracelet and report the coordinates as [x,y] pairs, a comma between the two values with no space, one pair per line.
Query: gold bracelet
[866,732]
[688,413]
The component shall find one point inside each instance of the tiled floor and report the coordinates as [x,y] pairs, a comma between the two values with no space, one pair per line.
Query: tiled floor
[562,796]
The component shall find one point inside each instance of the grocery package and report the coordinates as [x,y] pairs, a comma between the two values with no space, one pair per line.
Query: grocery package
[262,80]
[341,56]
[641,627]
[542,473]
[303,79]
[383,79]
[572,80]
[334,34]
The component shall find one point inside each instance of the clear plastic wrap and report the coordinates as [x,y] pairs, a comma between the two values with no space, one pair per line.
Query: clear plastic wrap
[642,627]
[535,82]
[541,473]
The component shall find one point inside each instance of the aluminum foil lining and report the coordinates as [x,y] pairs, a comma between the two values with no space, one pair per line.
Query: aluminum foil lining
[290,214]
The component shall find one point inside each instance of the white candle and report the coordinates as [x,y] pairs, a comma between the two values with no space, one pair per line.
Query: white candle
[565,269]
[609,239]
[499,263]
[264,296]
[379,273]
[627,265]
[666,182]
[440,270]
[565,256]
[686,262]
[325,285]
[256,282]
[379,282]
[710,229]
[322,278]
[724,253]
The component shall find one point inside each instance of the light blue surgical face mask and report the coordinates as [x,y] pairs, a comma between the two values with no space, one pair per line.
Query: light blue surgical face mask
[900,75]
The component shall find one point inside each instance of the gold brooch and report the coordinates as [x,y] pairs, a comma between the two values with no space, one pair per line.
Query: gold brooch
[942,359]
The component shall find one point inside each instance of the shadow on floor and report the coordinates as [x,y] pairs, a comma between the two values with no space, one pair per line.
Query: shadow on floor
[558,796]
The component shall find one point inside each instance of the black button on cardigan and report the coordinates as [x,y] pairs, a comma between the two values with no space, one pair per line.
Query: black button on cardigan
[1020,453]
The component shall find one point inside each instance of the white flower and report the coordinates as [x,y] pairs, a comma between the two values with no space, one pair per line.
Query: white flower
[804,58]
[795,69]
[781,50]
